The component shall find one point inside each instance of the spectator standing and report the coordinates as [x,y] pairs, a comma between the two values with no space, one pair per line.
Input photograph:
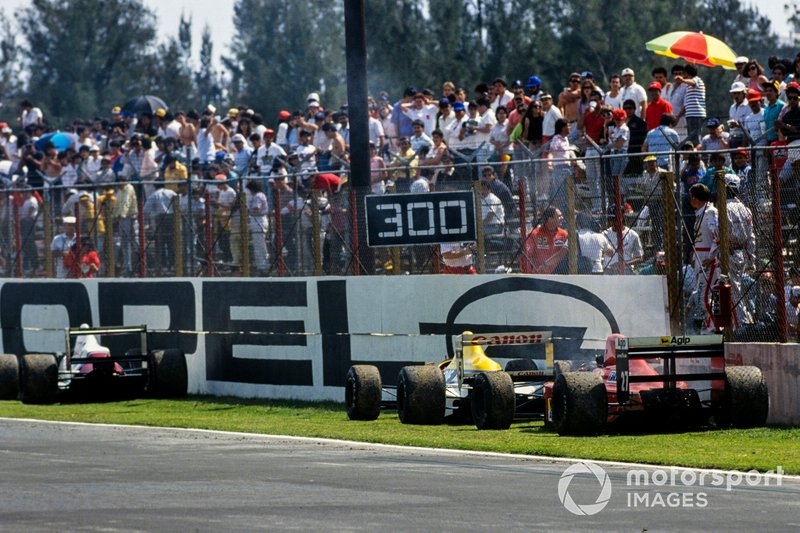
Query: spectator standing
[657,106]
[633,91]
[772,110]
[614,97]
[546,245]
[124,215]
[158,211]
[662,139]
[28,215]
[258,224]
[593,245]
[706,239]
[62,244]
[631,246]
[675,94]
[30,115]
[694,102]
[742,244]
[737,114]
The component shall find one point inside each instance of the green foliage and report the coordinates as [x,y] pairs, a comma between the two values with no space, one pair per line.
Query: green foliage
[84,56]
[10,82]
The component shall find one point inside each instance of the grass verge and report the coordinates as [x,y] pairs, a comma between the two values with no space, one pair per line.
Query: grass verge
[762,448]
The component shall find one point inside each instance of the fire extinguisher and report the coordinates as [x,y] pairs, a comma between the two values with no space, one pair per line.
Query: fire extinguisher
[721,302]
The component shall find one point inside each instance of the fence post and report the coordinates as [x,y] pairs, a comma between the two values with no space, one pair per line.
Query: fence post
[724,238]
[142,242]
[524,265]
[276,196]
[780,277]
[47,219]
[111,252]
[177,232]
[618,225]
[671,250]
[316,245]
[479,226]
[572,236]
[78,233]
[17,241]
[354,232]
[209,238]
[244,231]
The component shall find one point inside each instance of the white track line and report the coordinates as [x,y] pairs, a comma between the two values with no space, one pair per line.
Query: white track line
[375,445]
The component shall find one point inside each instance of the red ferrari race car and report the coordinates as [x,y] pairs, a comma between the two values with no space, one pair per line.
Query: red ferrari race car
[670,380]
[87,370]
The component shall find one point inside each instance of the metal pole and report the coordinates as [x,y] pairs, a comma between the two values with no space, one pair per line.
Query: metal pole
[142,249]
[354,232]
[276,195]
[780,277]
[48,237]
[316,245]
[244,231]
[358,107]
[209,239]
[177,235]
[618,225]
[17,242]
[524,266]
[479,227]
[572,236]
[111,255]
[190,208]
[672,250]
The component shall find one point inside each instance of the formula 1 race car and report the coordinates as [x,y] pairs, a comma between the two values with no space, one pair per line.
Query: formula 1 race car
[470,385]
[86,369]
[669,380]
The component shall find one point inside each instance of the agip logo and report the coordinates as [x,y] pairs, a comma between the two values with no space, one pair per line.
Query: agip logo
[581,469]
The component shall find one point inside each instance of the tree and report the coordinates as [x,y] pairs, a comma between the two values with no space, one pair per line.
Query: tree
[10,75]
[85,56]
[204,77]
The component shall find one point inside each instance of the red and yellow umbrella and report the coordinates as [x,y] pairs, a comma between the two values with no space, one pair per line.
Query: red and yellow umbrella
[695,47]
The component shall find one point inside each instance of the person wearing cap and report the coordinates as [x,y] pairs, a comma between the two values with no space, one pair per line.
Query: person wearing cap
[754,124]
[738,112]
[106,173]
[551,114]
[717,163]
[694,102]
[742,242]
[715,138]
[657,106]
[789,119]
[61,245]
[773,108]
[268,153]
[499,94]
[242,154]
[739,63]
[619,137]
[452,134]
[633,91]
[704,252]
[534,88]
[650,180]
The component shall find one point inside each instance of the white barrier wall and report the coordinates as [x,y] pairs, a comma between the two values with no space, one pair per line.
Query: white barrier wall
[780,364]
[296,337]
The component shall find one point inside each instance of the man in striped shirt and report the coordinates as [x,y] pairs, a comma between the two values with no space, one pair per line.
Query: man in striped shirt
[694,103]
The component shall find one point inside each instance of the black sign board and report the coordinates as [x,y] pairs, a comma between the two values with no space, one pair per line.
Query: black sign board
[427,218]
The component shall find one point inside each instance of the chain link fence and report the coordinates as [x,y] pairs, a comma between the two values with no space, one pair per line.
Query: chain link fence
[535,213]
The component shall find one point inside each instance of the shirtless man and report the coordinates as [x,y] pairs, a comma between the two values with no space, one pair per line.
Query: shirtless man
[569,98]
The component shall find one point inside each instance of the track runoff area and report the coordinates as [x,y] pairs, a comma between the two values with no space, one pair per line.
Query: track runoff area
[73,476]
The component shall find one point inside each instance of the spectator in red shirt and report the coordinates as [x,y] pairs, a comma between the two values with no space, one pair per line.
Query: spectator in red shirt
[656,107]
[546,245]
[82,261]
[326,182]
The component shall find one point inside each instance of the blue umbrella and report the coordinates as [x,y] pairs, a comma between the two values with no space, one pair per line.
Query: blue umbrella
[61,141]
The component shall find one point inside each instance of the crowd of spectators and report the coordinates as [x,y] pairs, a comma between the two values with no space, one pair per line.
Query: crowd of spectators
[625,134]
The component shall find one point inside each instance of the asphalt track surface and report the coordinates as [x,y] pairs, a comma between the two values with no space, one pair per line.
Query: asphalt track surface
[80,477]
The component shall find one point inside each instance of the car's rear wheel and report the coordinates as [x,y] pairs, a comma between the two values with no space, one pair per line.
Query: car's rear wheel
[493,401]
[362,392]
[169,377]
[745,403]
[9,377]
[420,395]
[561,367]
[521,364]
[579,403]
[38,378]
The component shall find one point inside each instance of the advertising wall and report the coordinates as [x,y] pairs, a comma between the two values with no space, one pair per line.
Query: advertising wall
[296,337]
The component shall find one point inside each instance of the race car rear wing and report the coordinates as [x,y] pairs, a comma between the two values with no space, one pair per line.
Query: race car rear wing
[511,338]
[669,349]
[72,333]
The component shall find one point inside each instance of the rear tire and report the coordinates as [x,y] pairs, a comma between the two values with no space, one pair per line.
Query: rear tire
[493,401]
[579,403]
[38,378]
[561,367]
[745,403]
[9,377]
[521,364]
[169,377]
[363,392]
[421,395]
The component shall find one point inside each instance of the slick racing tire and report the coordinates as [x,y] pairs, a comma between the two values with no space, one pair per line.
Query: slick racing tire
[493,400]
[9,377]
[745,402]
[38,378]
[169,377]
[579,403]
[362,392]
[521,364]
[421,395]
